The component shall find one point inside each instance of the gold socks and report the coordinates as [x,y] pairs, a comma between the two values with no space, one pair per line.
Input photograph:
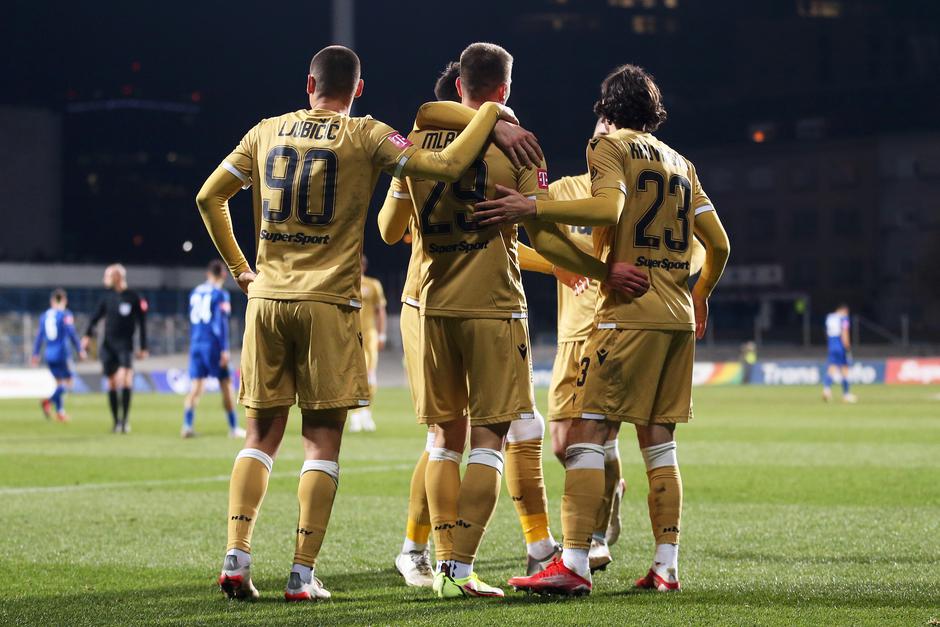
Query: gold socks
[246,490]
[315,493]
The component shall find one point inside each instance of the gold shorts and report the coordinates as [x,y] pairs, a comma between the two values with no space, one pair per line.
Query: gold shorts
[479,364]
[643,376]
[564,395]
[411,340]
[304,352]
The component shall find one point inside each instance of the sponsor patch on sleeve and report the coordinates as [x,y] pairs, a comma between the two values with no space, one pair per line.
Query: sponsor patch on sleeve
[399,140]
[543,178]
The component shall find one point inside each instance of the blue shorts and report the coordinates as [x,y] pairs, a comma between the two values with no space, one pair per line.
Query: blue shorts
[60,369]
[837,357]
[204,362]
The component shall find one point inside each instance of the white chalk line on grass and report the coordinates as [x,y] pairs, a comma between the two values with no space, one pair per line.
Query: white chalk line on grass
[149,483]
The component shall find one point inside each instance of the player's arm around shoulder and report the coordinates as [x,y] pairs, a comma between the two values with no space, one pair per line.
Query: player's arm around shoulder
[520,145]
[449,164]
[605,162]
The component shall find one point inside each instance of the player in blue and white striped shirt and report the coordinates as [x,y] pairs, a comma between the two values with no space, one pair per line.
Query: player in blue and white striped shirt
[209,311]
[57,331]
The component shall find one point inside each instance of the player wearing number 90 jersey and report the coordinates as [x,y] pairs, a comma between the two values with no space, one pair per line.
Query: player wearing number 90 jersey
[313,173]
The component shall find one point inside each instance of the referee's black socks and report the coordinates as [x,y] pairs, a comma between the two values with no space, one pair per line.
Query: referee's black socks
[125,403]
[113,401]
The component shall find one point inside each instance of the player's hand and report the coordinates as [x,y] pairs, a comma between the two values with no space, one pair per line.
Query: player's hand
[576,282]
[224,358]
[509,207]
[700,303]
[506,114]
[521,146]
[245,279]
[85,342]
[143,354]
[34,360]
[627,278]
[383,339]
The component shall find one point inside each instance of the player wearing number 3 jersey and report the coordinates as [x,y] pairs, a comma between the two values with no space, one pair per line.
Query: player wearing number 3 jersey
[312,174]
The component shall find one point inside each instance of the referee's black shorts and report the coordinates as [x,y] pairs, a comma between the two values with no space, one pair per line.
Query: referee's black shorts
[114,357]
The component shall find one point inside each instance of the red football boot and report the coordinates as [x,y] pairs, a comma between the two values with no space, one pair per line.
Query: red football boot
[46,408]
[653,581]
[555,579]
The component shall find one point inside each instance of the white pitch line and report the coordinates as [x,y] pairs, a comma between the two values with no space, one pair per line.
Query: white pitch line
[169,482]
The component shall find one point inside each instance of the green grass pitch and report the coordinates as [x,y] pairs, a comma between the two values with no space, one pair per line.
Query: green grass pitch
[796,512]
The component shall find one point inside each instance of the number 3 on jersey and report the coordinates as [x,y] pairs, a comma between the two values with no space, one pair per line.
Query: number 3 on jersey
[280,174]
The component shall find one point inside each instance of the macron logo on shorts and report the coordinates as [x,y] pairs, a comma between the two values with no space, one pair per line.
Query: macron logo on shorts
[399,140]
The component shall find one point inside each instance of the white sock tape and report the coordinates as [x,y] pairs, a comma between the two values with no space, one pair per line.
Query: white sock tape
[444,455]
[254,453]
[322,465]
[487,457]
[584,456]
[660,455]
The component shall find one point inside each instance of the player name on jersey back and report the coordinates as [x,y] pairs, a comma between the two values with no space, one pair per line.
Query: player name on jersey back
[655,231]
[468,270]
[312,174]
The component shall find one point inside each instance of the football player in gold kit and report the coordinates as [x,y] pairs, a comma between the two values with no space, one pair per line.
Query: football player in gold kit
[575,321]
[637,362]
[312,172]
[523,460]
[373,321]
[473,336]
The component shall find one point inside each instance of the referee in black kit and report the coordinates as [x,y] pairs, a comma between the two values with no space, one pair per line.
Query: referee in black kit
[124,311]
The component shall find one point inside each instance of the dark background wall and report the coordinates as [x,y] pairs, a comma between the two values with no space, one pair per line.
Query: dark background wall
[798,113]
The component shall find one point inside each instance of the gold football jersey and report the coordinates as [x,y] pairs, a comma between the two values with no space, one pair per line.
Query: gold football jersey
[373,296]
[312,174]
[468,271]
[663,196]
[575,313]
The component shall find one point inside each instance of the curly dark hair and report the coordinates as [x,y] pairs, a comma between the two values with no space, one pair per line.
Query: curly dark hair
[446,88]
[631,99]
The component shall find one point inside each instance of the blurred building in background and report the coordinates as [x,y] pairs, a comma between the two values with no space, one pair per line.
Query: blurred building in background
[812,123]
